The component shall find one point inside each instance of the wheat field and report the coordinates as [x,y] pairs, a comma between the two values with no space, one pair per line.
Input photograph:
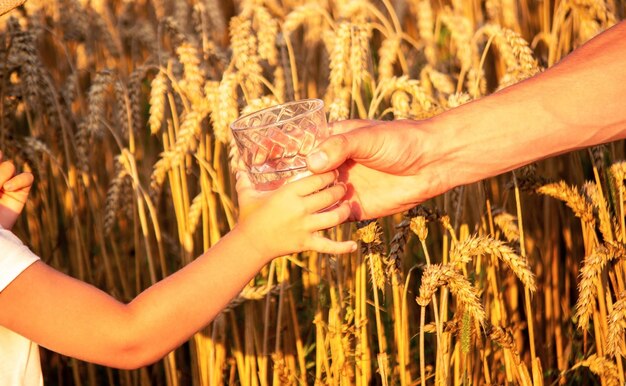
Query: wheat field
[122,108]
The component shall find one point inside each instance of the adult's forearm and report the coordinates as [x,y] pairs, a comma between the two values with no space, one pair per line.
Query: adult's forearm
[575,104]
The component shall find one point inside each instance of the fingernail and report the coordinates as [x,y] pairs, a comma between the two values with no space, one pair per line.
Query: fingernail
[317,160]
[354,246]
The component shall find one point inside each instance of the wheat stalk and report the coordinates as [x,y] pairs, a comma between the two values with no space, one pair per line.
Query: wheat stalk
[267,28]
[571,196]
[602,367]
[359,52]
[225,110]
[422,104]
[259,104]
[440,81]
[461,34]
[602,209]
[426,27]
[250,293]
[112,202]
[388,54]
[193,77]
[400,103]
[339,108]
[122,108]
[96,101]
[478,245]
[437,275]
[589,273]
[303,14]
[158,89]
[513,48]
[186,142]
[340,57]
[195,212]
[245,55]
[458,99]
[508,225]
[616,326]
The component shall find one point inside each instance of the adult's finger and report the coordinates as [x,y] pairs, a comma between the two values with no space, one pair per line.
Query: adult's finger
[359,144]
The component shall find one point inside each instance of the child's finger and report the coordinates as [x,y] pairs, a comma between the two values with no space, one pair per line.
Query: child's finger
[237,165]
[324,198]
[331,217]
[7,170]
[19,182]
[310,184]
[243,180]
[324,245]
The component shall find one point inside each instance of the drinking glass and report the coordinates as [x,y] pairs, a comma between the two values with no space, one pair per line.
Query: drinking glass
[274,142]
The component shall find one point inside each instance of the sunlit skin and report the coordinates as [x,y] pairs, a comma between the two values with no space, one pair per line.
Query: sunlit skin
[13,193]
[391,166]
[81,321]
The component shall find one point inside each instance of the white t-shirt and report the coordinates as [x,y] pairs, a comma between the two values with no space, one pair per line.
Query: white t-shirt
[19,357]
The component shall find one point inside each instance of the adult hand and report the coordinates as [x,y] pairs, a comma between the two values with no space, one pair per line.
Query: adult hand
[383,164]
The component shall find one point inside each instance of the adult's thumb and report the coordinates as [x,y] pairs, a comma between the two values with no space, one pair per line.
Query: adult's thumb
[351,139]
[358,145]
[331,153]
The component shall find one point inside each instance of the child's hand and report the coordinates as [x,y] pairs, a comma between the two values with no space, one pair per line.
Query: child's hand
[288,219]
[13,193]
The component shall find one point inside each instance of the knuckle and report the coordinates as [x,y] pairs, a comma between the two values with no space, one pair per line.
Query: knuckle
[340,140]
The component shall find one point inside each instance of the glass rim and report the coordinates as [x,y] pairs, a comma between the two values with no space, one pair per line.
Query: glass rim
[319,105]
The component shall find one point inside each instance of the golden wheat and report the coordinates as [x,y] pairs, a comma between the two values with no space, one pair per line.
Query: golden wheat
[571,196]
[267,27]
[158,89]
[437,275]
[589,274]
[185,142]
[474,246]
[83,81]
[508,225]
[602,367]
[616,326]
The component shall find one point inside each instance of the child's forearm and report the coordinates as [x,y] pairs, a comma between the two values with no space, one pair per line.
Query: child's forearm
[78,320]
[195,295]
[575,104]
